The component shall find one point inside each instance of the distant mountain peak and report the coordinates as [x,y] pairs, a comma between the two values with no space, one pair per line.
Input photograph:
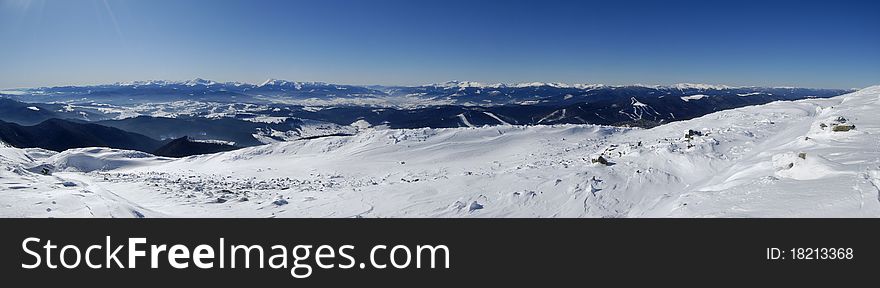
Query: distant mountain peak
[286,83]
[473,84]
[686,86]
[273,82]
[199,81]
[543,84]
[144,83]
[466,84]
[193,82]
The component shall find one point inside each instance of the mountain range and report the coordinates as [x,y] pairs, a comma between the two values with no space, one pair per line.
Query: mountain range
[280,110]
[806,158]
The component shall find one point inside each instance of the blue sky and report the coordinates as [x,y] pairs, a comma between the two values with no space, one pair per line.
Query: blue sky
[833,44]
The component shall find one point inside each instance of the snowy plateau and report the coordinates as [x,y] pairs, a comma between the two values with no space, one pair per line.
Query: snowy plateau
[804,158]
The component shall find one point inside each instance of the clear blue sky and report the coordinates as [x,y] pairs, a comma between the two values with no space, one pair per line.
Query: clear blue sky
[833,44]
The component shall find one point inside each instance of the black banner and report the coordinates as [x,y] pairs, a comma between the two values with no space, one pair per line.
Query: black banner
[494,252]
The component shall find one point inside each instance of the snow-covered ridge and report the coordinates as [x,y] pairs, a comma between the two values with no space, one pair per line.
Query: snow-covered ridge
[205,82]
[686,86]
[209,83]
[585,86]
[273,82]
[693,97]
[449,85]
[147,83]
[199,81]
[472,84]
[213,141]
[191,83]
[679,86]
[297,84]
[466,84]
[95,159]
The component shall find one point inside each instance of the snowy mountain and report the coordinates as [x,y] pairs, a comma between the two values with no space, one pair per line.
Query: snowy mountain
[465,93]
[199,82]
[805,158]
[281,110]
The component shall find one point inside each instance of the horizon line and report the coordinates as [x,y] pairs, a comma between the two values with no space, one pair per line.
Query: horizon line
[466,83]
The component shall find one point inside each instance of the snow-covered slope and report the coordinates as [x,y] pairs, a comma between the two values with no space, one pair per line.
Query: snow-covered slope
[808,158]
[28,188]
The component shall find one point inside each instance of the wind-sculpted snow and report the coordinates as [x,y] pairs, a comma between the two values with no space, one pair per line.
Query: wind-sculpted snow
[30,188]
[99,159]
[807,158]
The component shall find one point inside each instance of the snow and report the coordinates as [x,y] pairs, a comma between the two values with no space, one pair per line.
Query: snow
[773,160]
[33,194]
[199,81]
[266,119]
[32,108]
[686,86]
[542,84]
[99,159]
[555,116]
[496,118]
[361,124]
[588,86]
[637,103]
[162,83]
[295,84]
[464,84]
[639,110]
[308,129]
[693,97]
[147,83]
[683,86]
[13,92]
[273,82]
[464,120]
[213,141]
[472,84]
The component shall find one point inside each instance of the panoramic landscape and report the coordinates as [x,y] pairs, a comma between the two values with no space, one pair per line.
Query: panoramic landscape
[787,126]
[200,148]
